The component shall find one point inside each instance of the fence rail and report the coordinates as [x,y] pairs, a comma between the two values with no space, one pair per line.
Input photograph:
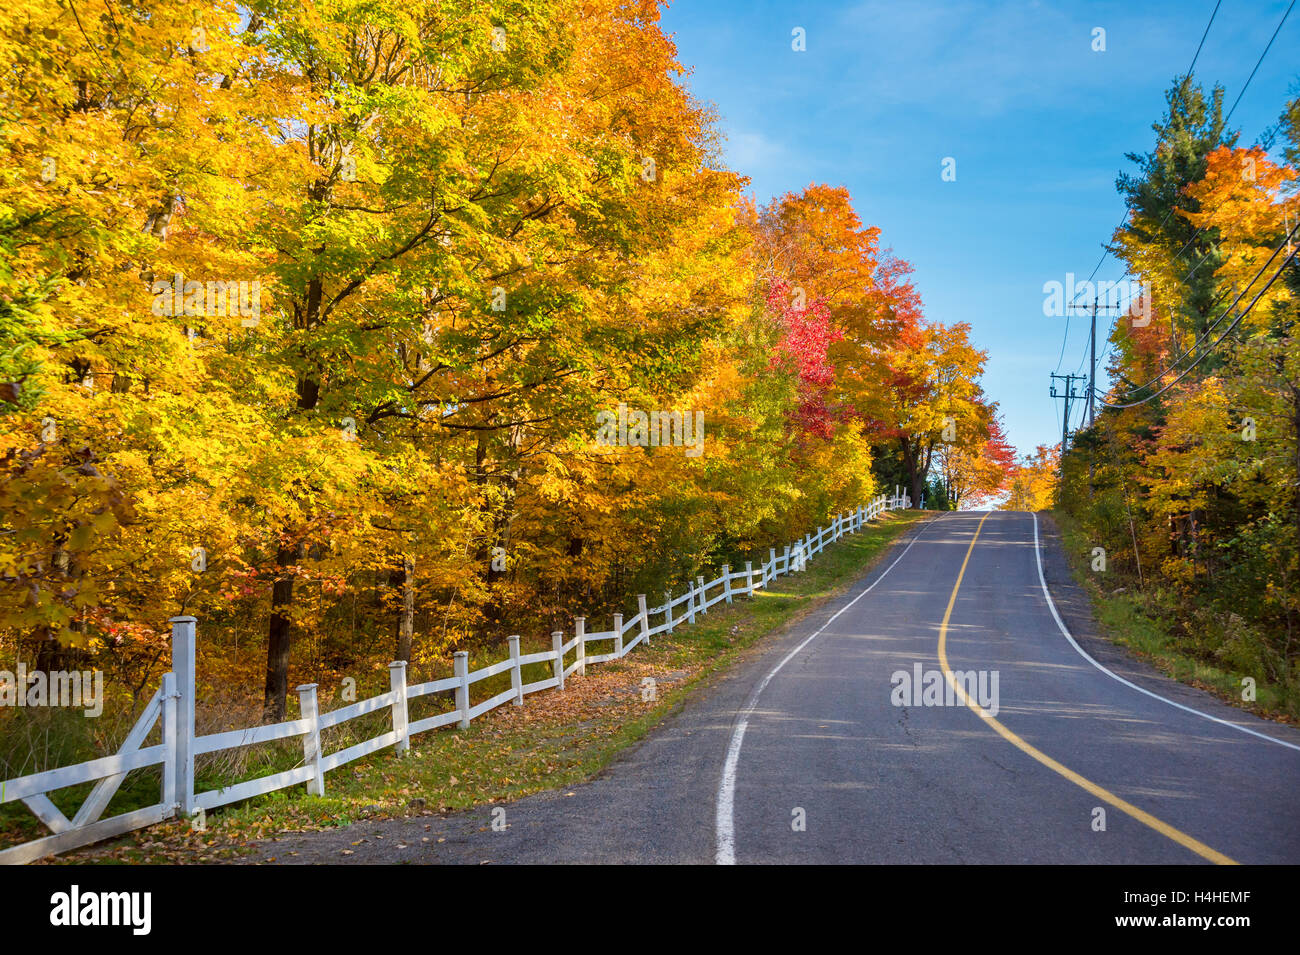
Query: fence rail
[172,708]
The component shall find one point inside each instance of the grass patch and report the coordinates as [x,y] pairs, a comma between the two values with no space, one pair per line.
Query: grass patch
[555,739]
[1153,624]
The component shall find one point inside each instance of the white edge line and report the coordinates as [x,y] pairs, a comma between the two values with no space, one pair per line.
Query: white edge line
[725,818]
[1051,605]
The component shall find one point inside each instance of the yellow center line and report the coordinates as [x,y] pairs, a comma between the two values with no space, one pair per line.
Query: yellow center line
[1178,836]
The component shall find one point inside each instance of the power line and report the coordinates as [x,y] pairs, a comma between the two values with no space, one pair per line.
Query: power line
[1064,341]
[1258,62]
[1208,351]
[1203,36]
[1107,350]
[1236,102]
[1232,110]
[1213,302]
[1105,250]
[1092,350]
[1068,394]
[1209,331]
[1188,74]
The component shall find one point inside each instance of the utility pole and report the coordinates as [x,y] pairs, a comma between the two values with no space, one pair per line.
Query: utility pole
[1092,356]
[1068,394]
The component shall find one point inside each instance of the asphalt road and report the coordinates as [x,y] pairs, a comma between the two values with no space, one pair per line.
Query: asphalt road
[831,768]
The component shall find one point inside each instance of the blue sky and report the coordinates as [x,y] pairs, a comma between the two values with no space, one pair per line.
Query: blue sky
[1037,122]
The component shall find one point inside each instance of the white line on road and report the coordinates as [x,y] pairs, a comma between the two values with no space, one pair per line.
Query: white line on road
[1051,605]
[725,819]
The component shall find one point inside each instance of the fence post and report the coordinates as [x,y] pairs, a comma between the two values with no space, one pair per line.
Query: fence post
[785,557]
[397,683]
[701,598]
[580,628]
[618,635]
[645,617]
[516,677]
[726,582]
[460,663]
[169,696]
[749,578]
[309,710]
[183,641]
[771,574]
[557,644]
[668,609]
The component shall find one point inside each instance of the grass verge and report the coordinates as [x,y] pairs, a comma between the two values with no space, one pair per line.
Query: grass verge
[1145,624]
[555,739]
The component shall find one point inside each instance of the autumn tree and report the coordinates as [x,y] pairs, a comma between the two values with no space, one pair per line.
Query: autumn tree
[975,468]
[1031,485]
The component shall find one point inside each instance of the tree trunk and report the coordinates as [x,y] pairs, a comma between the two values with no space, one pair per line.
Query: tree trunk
[1295,423]
[279,636]
[919,482]
[916,470]
[49,653]
[406,625]
[909,462]
[502,516]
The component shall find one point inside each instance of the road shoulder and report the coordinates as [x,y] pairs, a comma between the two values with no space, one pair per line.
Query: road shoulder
[1077,612]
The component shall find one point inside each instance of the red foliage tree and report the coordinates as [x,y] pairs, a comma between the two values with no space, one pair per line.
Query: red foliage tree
[807,334]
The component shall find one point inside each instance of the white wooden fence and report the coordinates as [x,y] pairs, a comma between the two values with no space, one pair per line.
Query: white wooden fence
[173,703]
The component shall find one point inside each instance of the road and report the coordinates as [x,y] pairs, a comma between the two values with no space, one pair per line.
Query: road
[808,752]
